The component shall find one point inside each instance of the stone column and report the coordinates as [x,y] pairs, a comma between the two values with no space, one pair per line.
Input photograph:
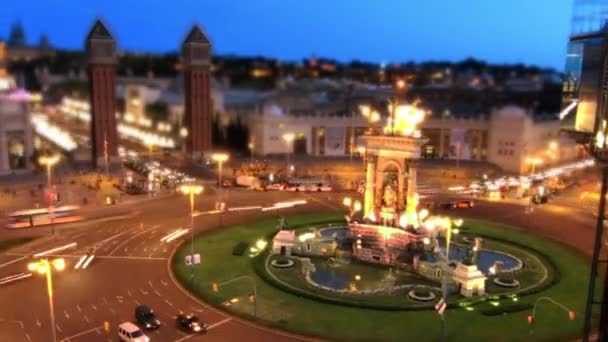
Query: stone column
[369,200]
[412,195]
[401,188]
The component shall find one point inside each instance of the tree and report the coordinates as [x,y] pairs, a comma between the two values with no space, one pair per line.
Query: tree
[17,36]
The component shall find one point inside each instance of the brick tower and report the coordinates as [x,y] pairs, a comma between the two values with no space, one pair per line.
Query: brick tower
[196,61]
[101,59]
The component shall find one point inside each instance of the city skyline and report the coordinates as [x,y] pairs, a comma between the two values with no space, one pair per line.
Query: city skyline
[342,32]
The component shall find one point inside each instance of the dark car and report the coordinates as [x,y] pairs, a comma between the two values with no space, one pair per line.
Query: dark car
[191,323]
[145,317]
[449,205]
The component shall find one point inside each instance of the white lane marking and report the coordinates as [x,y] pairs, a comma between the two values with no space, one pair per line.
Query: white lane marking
[143,292]
[14,277]
[65,312]
[136,302]
[214,325]
[157,293]
[56,249]
[163,282]
[131,238]
[28,337]
[58,328]
[94,307]
[13,261]
[105,300]
[38,324]
[78,308]
[169,303]
[86,319]
[69,338]
[129,293]
[145,249]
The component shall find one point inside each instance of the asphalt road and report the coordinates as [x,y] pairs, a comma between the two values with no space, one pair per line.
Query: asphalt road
[131,266]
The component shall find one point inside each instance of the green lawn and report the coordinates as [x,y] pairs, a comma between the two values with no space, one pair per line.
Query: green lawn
[297,314]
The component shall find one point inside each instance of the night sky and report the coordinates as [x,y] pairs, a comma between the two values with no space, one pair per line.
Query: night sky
[499,31]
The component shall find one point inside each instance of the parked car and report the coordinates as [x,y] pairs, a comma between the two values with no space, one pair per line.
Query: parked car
[130,332]
[191,324]
[319,187]
[145,316]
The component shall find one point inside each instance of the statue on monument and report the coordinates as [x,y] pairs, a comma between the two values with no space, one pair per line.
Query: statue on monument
[389,196]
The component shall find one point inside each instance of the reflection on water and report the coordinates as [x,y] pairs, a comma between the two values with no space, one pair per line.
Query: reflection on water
[485,258]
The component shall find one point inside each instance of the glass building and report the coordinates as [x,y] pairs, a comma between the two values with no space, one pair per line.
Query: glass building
[585,66]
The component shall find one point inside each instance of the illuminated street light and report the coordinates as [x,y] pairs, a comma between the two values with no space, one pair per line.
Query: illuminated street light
[191,190]
[347,201]
[49,162]
[220,158]
[289,138]
[44,266]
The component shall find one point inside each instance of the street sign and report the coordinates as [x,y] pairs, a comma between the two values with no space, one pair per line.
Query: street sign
[441,306]
[197,259]
[188,260]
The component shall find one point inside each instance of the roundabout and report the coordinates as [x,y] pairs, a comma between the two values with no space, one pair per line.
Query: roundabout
[287,301]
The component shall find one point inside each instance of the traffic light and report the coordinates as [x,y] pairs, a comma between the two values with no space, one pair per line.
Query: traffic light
[214,287]
[252,298]
[530,320]
[571,315]
[106,326]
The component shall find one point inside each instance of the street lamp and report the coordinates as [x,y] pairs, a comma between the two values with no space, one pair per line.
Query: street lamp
[49,162]
[289,137]
[220,158]
[251,147]
[44,266]
[354,207]
[183,133]
[191,190]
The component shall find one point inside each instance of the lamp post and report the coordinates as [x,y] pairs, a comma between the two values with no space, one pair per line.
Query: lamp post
[183,133]
[532,318]
[446,224]
[191,190]
[44,266]
[289,137]
[49,162]
[251,147]
[220,158]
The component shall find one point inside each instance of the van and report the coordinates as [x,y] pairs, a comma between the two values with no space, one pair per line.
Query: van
[131,333]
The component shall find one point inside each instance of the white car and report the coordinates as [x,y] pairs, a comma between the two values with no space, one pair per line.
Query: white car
[129,332]
[318,187]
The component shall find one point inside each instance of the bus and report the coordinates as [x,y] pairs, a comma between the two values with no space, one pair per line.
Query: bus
[39,217]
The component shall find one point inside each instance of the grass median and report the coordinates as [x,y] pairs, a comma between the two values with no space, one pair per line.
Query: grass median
[285,311]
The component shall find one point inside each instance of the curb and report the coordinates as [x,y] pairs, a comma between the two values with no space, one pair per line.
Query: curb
[224,313]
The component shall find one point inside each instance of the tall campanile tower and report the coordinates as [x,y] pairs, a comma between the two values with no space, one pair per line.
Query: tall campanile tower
[101,58]
[196,62]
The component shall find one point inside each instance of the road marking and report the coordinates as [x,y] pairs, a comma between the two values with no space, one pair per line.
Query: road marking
[86,319]
[13,261]
[143,292]
[67,316]
[94,307]
[136,302]
[58,328]
[28,337]
[214,325]
[129,293]
[78,307]
[145,249]
[112,312]
[56,249]
[13,321]
[69,338]
[38,323]
[105,300]
[14,277]
[169,303]
[131,238]
[163,282]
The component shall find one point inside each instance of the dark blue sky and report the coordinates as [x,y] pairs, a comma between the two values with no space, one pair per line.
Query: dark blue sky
[500,31]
